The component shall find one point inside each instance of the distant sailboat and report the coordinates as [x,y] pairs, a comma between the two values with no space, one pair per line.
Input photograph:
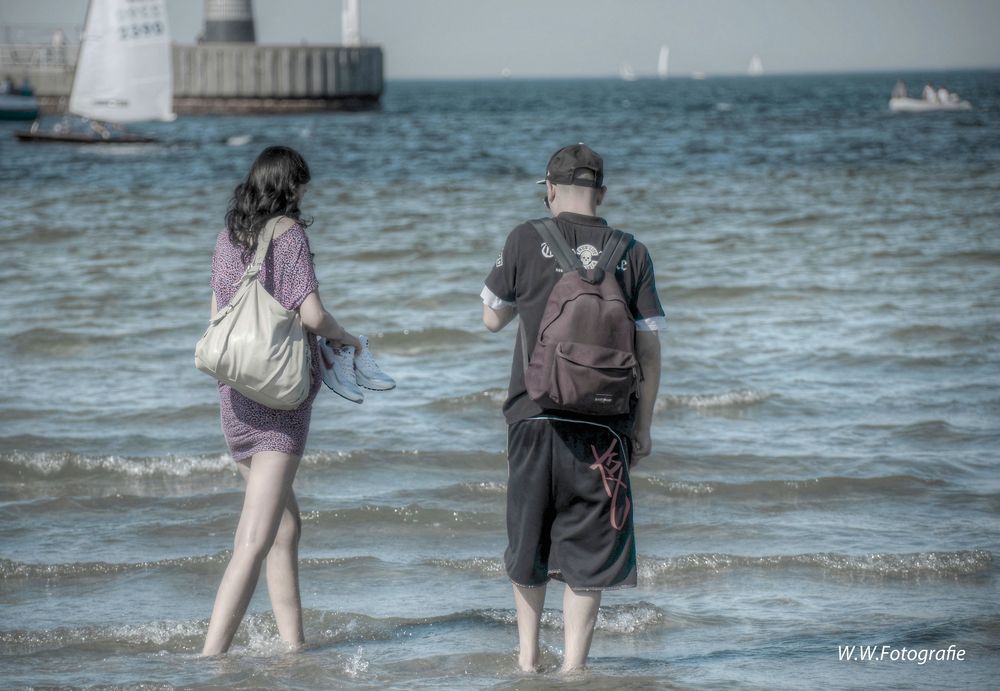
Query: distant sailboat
[626,72]
[663,63]
[756,67]
[123,73]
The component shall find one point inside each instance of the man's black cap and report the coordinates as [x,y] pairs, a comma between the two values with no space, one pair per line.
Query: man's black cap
[571,165]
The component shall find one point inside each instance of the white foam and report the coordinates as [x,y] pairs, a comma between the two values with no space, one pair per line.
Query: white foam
[728,399]
[170,466]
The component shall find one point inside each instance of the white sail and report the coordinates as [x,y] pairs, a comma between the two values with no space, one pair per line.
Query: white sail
[123,73]
[663,64]
[626,72]
[756,67]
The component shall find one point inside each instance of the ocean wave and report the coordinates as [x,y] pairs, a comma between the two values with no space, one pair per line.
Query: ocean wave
[374,515]
[942,335]
[68,465]
[908,566]
[65,465]
[197,564]
[617,618]
[988,257]
[740,398]
[416,341]
[713,294]
[821,487]
[45,342]
[490,398]
[925,431]
[258,634]
[696,566]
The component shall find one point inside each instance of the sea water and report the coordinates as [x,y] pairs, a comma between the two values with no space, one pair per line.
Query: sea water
[825,464]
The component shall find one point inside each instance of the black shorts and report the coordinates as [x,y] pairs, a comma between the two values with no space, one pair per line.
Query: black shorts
[569,505]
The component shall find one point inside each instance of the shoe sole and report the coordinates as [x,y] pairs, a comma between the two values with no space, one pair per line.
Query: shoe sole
[373,384]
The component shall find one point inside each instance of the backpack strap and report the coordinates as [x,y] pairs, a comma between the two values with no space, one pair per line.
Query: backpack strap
[617,246]
[525,355]
[553,237]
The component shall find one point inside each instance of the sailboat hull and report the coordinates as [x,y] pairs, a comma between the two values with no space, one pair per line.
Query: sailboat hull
[80,138]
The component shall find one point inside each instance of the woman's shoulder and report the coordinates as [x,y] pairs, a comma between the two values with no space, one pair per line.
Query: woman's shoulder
[288,226]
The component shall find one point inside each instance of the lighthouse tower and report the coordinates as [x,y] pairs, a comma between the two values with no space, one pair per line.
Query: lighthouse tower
[229,21]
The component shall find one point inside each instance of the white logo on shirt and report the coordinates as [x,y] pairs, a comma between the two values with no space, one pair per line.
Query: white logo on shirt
[588,255]
[500,260]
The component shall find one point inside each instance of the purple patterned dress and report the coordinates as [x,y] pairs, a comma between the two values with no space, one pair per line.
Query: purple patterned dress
[288,275]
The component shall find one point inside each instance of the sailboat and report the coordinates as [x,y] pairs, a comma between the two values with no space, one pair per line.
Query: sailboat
[626,72]
[756,67]
[662,64]
[123,74]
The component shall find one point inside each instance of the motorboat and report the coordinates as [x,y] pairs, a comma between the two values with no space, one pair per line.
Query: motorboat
[18,107]
[933,99]
[905,104]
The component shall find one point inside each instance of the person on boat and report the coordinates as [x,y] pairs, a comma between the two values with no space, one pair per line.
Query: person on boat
[899,90]
[7,86]
[26,88]
[99,129]
[943,95]
[930,95]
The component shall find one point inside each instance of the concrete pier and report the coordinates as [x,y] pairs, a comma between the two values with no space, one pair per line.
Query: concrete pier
[228,77]
[240,77]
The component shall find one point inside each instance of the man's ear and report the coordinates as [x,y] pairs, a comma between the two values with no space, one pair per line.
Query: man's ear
[600,195]
[550,191]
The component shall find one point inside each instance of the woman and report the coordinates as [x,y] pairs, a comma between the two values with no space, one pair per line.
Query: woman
[267,444]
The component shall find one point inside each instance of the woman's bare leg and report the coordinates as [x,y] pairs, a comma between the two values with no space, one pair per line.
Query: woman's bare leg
[283,575]
[269,481]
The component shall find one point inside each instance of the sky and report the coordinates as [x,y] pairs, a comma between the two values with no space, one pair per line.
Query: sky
[579,38]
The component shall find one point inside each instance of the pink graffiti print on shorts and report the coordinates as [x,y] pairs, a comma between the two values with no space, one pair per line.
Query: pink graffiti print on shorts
[612,475]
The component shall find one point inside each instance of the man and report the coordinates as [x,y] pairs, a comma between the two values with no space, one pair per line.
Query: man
[569,499]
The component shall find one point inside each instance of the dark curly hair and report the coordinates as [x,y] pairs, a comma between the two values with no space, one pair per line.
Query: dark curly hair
[270,189]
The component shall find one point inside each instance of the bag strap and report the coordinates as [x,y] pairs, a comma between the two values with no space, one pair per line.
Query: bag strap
[263,244]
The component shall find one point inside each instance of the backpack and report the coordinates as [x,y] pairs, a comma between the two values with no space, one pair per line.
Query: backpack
[584,357]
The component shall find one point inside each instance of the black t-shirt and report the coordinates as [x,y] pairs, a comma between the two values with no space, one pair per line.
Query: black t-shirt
[524,275]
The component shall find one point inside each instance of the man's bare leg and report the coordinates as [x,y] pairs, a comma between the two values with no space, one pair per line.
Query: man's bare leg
[579,616]
[268,483]
[529,603]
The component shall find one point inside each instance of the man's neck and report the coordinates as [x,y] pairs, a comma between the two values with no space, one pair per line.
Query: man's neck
[582,209]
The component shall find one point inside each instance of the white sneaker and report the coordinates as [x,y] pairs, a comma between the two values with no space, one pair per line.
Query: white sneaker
[337,365]
[367,370]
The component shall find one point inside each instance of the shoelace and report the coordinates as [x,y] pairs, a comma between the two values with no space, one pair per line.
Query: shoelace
[367,360]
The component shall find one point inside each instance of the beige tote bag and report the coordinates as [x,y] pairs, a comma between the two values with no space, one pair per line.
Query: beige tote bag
[255,345]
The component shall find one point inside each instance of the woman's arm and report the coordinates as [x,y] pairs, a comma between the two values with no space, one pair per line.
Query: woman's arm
[315,318]
[215,306]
